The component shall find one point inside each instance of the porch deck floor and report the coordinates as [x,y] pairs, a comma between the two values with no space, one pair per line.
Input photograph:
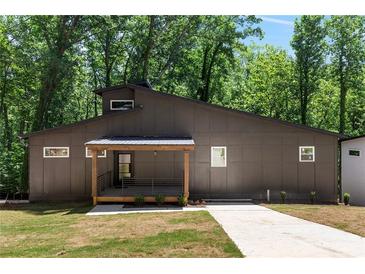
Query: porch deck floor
[141,190]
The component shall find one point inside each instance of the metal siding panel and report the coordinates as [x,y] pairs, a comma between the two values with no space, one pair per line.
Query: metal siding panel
[290,177]
[77,176]
[234,177]
[201,178]
[57,176]
[36,169]
[218,177]
[306,177]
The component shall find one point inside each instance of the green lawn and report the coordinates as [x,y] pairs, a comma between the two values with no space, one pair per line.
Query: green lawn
[347,218]
[63,230]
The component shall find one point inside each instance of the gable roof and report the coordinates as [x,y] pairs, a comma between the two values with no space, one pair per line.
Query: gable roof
[147,89]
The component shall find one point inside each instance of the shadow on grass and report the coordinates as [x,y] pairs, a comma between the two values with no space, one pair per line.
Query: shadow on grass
[50,208]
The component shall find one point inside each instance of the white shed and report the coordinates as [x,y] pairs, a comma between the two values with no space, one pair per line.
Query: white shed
[353,169]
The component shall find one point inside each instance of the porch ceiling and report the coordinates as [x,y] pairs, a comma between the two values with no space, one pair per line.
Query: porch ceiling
[141,143]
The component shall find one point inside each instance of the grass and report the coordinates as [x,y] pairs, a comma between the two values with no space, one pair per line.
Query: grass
[347,218]
[63,230]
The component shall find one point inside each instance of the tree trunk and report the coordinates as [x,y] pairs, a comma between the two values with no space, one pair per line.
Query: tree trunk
[343,93]
[149,45]
[4,110]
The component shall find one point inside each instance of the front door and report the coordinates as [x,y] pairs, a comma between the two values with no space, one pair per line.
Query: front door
[123,167]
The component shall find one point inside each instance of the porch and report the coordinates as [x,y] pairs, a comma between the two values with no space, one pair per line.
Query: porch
[105,188]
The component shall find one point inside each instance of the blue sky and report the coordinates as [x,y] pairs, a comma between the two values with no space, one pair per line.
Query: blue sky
[278,31]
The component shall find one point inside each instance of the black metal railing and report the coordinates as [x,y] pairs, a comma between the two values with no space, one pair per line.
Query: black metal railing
[104,181]
[147,187]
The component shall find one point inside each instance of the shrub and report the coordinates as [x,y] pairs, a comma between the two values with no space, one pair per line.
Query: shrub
[283,196]
[346,198]
[312,196]
[182,200]
[160,199]
[139,200]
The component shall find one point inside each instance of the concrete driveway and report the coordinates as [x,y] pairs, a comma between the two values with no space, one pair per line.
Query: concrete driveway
[262,232]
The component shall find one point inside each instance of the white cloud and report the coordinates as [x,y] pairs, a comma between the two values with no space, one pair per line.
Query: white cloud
[277,21]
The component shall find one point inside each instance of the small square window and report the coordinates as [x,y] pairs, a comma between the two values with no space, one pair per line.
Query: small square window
[219,156]
[306,154]
[56,152]
[121,104]
[100,153]
[354,152]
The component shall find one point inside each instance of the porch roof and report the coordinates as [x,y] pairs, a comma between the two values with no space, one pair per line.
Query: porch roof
[140,142]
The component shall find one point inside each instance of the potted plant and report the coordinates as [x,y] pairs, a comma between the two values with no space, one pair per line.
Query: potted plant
[160,199]
[283,196]
[346,198]
[139,200]
[312,196]
[182,200]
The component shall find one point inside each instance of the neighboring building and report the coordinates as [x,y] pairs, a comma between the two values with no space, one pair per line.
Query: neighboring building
[353,168]
[151,143]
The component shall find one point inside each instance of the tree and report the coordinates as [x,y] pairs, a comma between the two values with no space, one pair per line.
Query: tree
[60,34]
[347,49]
[309,46]
[270,84]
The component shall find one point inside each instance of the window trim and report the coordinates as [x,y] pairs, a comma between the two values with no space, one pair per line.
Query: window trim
[67,148]
[300,154]
[112,101]
[357,149]
[99,156]
[211,156]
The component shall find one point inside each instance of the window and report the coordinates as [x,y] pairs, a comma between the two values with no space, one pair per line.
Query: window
[219,156]
[306,154]
[100,154]
[354,152]
[121,104]
[56,152]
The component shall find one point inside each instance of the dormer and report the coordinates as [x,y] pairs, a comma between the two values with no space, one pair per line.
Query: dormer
[117,98]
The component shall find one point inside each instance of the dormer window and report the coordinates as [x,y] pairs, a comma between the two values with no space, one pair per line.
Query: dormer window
[121,104]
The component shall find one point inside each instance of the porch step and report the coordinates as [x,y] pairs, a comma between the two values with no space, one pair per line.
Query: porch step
[228,200]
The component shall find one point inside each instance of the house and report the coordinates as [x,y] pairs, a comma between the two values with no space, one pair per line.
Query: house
[147,143]
[353,168]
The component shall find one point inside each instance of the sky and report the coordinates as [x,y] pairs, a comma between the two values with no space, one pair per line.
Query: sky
[278,31]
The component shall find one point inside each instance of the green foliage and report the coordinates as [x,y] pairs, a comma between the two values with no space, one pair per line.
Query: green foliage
[182,201]
[283,196]
[160,199]
[346,198]
[139,200]
[312,196]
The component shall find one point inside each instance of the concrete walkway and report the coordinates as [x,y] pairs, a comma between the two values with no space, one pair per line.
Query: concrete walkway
[261,232]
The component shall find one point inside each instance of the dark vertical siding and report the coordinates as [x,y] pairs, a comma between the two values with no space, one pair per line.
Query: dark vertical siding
[261,154]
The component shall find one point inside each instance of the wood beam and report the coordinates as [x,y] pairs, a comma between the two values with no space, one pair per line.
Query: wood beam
[141,147]
[186,174]
[94,175]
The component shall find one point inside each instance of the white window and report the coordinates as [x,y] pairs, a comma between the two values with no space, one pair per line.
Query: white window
[306,154]
[354,152]
[121,104]
[219,156]
[100,154]
[56,152]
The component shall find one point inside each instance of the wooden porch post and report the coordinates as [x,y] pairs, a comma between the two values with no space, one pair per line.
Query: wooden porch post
[94,174]
[186,174]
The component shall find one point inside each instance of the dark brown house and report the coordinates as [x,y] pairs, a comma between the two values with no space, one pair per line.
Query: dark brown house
[148,143]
